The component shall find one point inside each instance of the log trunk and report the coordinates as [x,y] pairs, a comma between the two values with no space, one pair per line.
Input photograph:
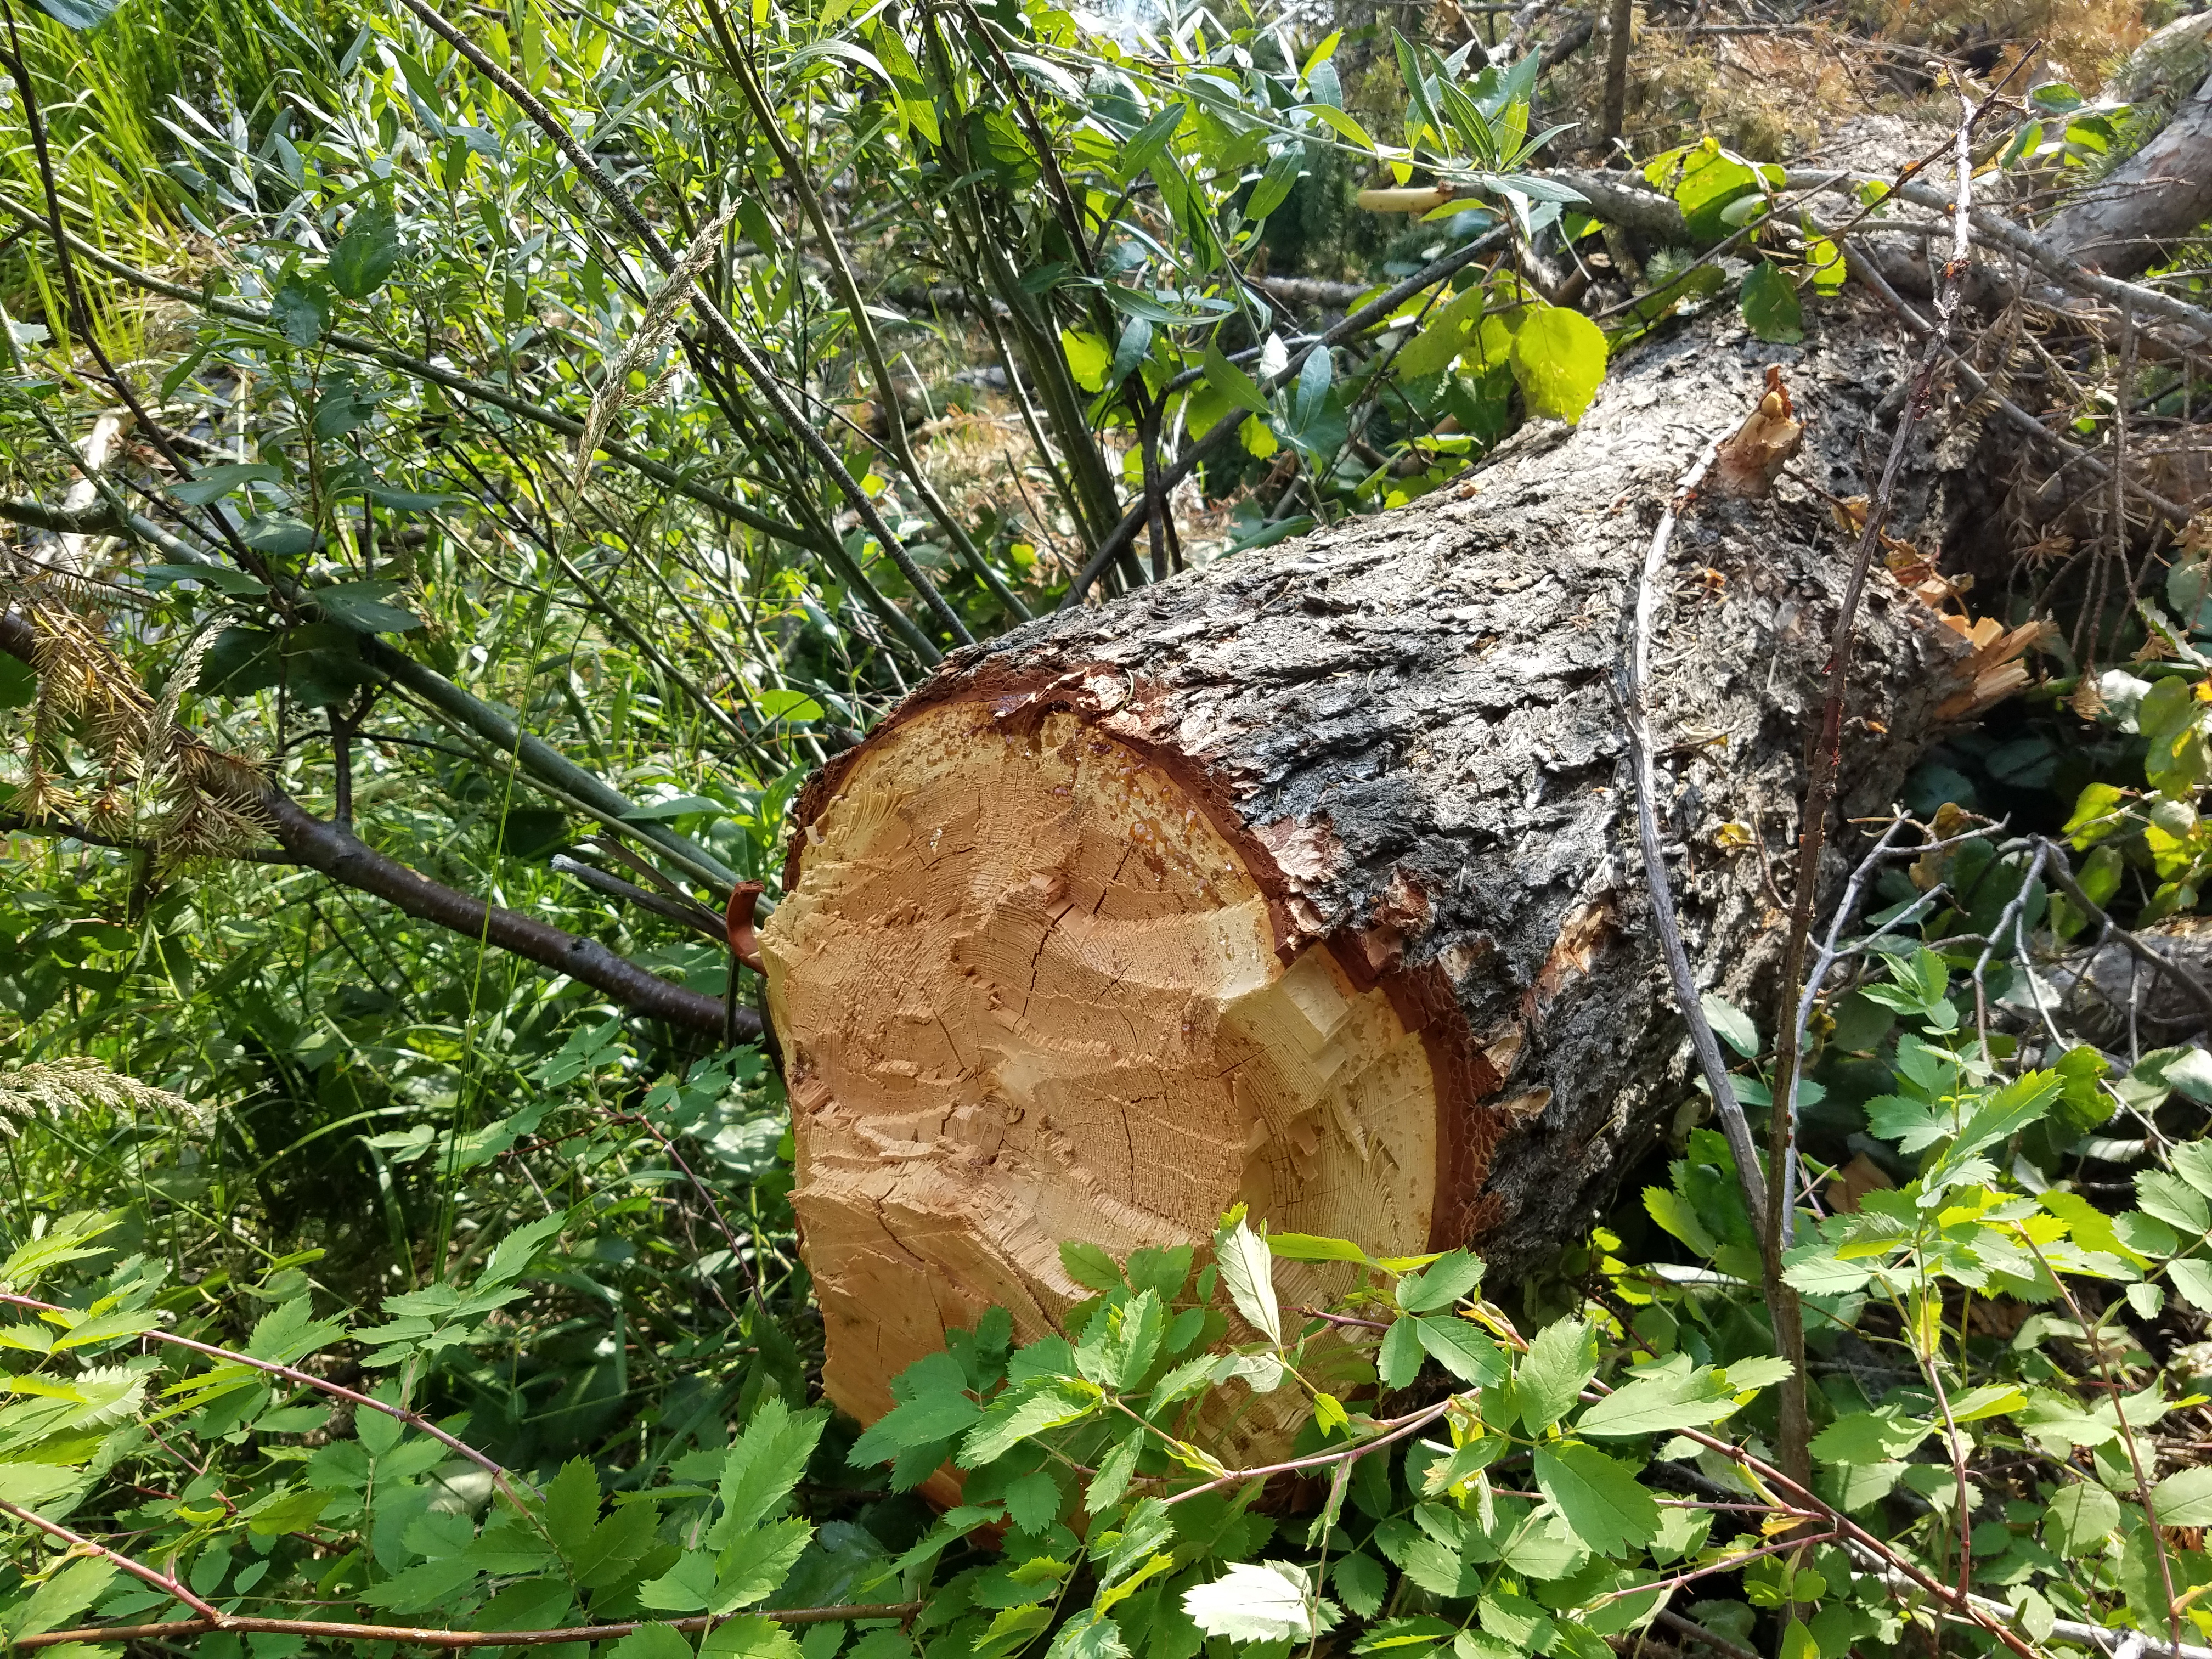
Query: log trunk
[1309,879]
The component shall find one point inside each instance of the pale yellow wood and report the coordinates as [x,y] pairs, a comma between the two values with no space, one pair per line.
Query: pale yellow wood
[1030,993]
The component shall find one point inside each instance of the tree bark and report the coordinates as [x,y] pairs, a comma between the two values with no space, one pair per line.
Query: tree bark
[1308,879]
[2151,203]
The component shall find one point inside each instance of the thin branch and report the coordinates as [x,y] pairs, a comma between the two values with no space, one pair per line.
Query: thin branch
[454,1638]
[725,335]
[78,1543]
[1635,671]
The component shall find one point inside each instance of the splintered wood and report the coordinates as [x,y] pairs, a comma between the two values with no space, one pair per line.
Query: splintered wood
[1032,993]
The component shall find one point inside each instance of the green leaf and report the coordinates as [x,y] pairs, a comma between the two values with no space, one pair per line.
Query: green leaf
[652,1642]
[1234,384]
[572,1505]
[1090,1267]
[1398,1361]
[1115,1470]
[927,1421]
[2080,1519]
[2192,1280]
[1731,1024]
[1255,1601]
[1026,1409]
[1869,1437]
[1122,1341]
[1248,1275]
[61,1599]
[1314,381]
[1034,1502]
[1657,1405]
[686,1586]
[1133,347]
[2185,1499]
[1274,186]
[752,1636]
[1558,1366]
[366,254]
[1462,1349]
[422,1586]
[755,1563]
[301,309]
[764,1466]
[1361,1582]
[788,705]
[359,606]
[1088,359]
[216,482]
[1678,1216]
[527,1604]
[1558,361]
[1440,1284]
[1599,1497]
[1771,306]
[1311,1246]
[80,14]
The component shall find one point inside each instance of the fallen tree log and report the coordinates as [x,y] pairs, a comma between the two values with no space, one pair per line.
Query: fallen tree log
[1308,879]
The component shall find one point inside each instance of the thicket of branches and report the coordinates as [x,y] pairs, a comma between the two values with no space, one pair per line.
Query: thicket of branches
[466,467]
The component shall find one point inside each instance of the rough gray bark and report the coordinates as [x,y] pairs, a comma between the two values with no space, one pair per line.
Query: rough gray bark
[1408,725]
[2156,199]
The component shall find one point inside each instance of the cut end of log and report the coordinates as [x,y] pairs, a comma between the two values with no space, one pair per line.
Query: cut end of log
[1033,991]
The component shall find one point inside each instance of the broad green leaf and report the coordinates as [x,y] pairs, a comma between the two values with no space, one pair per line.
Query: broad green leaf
[1600,1499]
[60,1600]
[366,254]
[1361,1582]
[1398,1361]
[753,1637]
[652,1642]
[1122,1341]
[1248,1275]
[1731,1024]
[1234,384]
[572,1505]
[2192,1280]
[1440,1284]
[361,606]
[928,1421]
[754,1563]
[2080,1519]
[1461,1349]
[1558,361]
[1654,1404]
[764,1466]
[1255,1601]
[1771,309]
[1869,1437]
[1027,1409]
[1558,1366]
[2185,1499]
[79,15]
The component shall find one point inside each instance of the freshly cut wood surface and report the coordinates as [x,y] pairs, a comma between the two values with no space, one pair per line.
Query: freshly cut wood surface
[1043,1001]
[1308,879]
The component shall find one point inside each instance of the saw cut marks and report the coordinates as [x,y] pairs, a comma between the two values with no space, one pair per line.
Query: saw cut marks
[1030,993]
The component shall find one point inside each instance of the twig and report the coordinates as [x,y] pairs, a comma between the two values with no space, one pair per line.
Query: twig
[2061,873]
[454,1638]
[724,334]
[697,917]
[1634,670]
[1820,792]
[1697,1632]
[414,1420]
[153,1575]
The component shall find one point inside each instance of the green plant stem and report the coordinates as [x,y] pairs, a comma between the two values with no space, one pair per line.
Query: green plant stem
[725,335]
[452,1638]
[856,309]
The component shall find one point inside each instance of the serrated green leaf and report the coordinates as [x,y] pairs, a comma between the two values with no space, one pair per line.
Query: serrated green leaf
[1600,1499]
[1558,1366]
[1026,1409]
